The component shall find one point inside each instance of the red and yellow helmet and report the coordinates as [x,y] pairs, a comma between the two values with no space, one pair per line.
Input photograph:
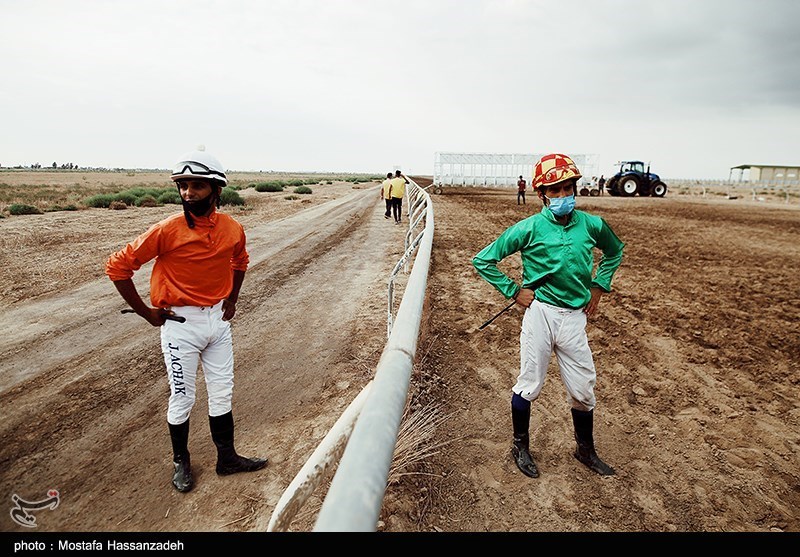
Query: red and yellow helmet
[552,169]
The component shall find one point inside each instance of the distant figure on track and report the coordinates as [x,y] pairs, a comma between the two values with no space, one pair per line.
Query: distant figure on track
[386,195]
[398,190]
[521,185]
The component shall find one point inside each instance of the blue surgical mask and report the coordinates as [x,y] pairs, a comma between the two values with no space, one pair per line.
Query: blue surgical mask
[561,206]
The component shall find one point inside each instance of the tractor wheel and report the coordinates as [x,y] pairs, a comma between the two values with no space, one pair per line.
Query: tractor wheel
[628,186]
[659,189]
[437,190]
[594,193]
[584,191]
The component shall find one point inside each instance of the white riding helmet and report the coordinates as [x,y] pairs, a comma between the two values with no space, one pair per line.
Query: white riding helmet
[199,164]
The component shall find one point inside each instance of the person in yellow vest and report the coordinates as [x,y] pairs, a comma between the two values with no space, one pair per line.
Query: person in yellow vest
[386,195]
[397,190]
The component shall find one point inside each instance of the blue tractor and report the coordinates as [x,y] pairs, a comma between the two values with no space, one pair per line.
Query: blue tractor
[632,178]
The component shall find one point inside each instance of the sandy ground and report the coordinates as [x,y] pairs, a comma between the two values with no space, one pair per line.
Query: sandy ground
[697,351]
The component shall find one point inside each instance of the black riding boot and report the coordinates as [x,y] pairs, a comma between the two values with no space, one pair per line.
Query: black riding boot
[520,450]
[182,476]
[228,461]
[584,451]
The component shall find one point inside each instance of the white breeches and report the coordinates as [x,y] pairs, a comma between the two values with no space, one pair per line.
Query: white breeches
[547,329]
[204,338]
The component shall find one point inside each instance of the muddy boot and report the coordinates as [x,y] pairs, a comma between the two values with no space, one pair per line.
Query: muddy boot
[522,456]
[584,451]
[182,475]
[520,451]
[228,461]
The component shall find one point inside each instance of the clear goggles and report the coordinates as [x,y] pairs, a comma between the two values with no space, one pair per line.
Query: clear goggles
[194,168]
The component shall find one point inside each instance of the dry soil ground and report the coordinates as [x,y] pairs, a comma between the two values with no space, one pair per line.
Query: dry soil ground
[697,351]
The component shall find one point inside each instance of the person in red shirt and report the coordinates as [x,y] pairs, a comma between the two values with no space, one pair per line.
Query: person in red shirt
[200,263]
[521,184]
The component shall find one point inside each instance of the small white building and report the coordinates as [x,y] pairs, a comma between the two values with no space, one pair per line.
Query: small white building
[764,173]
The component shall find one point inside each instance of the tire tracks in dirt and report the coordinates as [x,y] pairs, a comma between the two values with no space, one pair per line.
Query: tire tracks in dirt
[84,397]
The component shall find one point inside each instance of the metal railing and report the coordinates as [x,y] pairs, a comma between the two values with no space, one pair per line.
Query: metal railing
[418,202]
[363,439]
[731,188]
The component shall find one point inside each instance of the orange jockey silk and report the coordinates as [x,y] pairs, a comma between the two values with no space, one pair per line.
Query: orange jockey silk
[194,266]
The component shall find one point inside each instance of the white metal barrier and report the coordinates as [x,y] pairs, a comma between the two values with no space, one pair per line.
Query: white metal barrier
[417,207]
[321,461]
[730,188]
[364,437]
[496,169]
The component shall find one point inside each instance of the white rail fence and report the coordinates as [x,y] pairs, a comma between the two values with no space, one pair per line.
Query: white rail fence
[496,169]
[732,189]
[363,439]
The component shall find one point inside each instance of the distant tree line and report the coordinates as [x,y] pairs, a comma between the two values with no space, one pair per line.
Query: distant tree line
[37,166]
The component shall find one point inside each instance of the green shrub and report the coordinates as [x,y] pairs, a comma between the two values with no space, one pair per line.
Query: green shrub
[169,197]
[269,186]
[126,197]
[101,200]
[302,189]
[230,196]
[22,209]
[56,208]
[291,197]
[147,201]
[141,192]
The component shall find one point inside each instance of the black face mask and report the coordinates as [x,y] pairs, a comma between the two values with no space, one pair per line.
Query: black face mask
[199,208]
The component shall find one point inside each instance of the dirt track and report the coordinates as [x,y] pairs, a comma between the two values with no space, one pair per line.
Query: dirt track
[697,353]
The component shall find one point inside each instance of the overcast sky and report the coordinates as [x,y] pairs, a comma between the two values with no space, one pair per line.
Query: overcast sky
[694,86]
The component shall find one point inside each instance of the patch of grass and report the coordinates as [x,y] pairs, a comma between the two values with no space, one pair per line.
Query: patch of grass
[132,197]
[416,440]
[147,201]
[269,186]
[292,197]
[230,196]
[169,197]
[126,197]
[141,192]
[48,189]
[303,190]
[56,208]
[22,209]
[99,201]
